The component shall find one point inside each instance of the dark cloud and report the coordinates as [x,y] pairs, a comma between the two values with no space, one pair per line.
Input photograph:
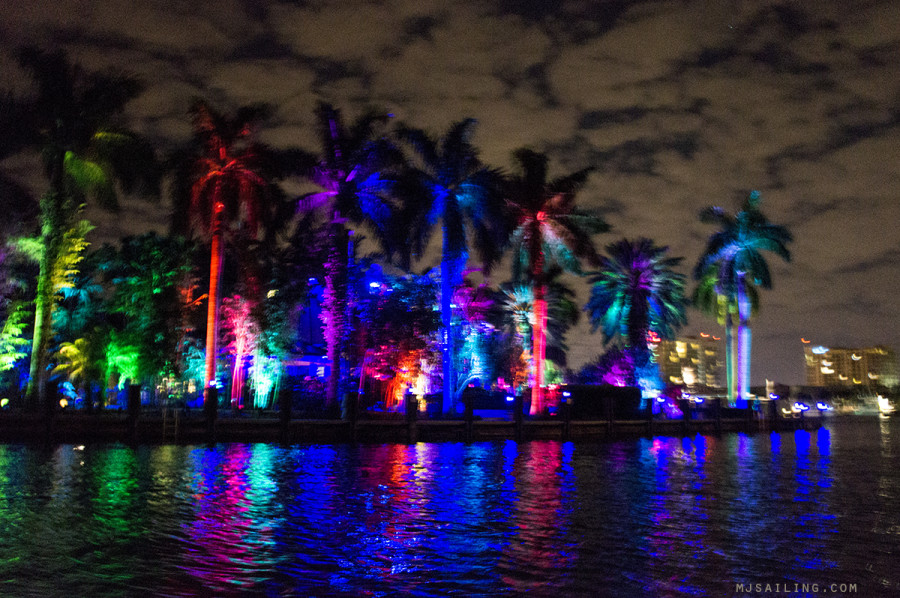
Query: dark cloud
[679,105]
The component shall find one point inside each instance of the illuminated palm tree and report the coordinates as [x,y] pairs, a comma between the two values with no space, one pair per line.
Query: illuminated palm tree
[351,174]
[549,229]
[707,300]
[735,251]
[636,291]
[450,185]
[231,192]
[70,121]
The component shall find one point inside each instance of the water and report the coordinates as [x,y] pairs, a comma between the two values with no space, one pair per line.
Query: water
[649,517]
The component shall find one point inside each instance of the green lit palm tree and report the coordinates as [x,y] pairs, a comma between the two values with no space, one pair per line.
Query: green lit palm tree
[517,306]
[354,186]
[450,185]
[70,119]
[708,301]
[735,252]
[228,186]
[637,291]
[549,229]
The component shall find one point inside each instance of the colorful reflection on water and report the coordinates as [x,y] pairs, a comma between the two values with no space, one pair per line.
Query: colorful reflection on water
[665,516]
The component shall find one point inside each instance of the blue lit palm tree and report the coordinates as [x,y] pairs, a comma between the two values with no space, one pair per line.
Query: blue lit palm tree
[735,252]
[352,175]
[450,185]
[549,229]
[637,291]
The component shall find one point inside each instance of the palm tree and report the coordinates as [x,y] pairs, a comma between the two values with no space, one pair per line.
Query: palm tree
[735,251]
[231,192]
[448,183]
[69,120]
[351,174]
[549,229]
[707,300]
[637,291]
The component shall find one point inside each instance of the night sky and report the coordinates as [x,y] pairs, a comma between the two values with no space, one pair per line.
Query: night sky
[679,105]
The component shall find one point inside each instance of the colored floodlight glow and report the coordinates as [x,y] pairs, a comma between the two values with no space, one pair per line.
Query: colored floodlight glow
[660,399]
[566,393]
[819,350]
[773,396]
[374,285]
[510,398]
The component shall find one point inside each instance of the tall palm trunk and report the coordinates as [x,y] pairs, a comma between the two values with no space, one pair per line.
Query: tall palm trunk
[539,334]
[449,371]
[212,311]
[743,352]
[35,392]
[335,308]
[539,349]
[53,220]
[729,355]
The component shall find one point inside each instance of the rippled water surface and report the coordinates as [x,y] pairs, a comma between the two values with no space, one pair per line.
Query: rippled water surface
[646,517]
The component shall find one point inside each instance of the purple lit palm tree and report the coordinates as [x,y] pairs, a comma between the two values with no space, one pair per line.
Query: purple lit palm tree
[448,183]
[735,251]
[351,174]
[550,229]
[637,291]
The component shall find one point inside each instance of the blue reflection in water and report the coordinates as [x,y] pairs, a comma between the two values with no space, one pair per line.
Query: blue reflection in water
[663,516]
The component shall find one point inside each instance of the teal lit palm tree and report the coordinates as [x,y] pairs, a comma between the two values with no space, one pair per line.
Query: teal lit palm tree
[735,252]
[549,229]
[352,175]
[637,291]
[450,185]
[708,301]
[70,120]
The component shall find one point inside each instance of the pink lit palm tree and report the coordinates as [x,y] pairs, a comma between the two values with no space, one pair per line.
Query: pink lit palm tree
[550,229]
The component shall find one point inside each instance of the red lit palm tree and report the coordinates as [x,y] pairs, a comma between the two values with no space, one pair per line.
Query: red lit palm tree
[550,229]
[230,191]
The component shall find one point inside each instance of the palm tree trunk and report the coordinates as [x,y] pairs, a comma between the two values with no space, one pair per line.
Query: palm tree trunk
[53,223]
[743,353]
[335,299]
[729,356]
[539,344]
[539,332]
[212,311]
[449,374]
